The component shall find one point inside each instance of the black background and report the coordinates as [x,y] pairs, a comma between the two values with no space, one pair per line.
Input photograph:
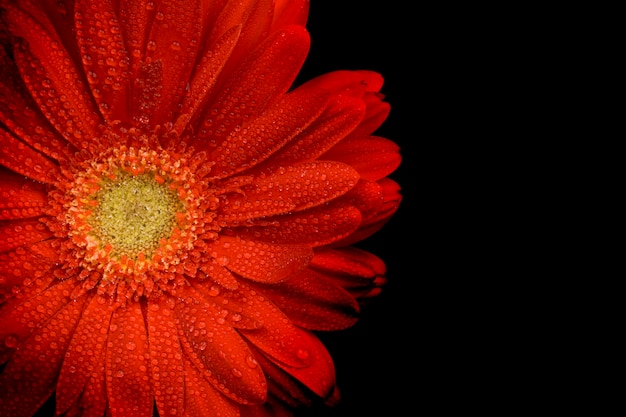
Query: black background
[379,361]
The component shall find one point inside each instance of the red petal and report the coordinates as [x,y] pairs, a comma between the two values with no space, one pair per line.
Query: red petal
[348,261]
[25,272]
[204,78]
[133,20]
[104,56]
[373,157]
[24,160]
[30,377]
[315,227]
[376,113]
[279,338]
[21,317]
[127,362]
[289,188]
[260,261]
[319,372]
[219,274]
[53,80]
[217,350]
[340,117]
[21,232]
[166,359]
[20,114]
[254,16]
[352,83]
[267,74]
[85,356]
[328,306]
[290,12]
[260,138]
[202,399]
[280,385]
[20,197]
[391,199]
[174,41]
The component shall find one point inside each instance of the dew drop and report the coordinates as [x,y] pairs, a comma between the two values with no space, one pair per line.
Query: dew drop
[131,346]
[11,341]
[202,346]
[237,373]
[251,362]
[214,291]
[302,354]
[175,46]
[119,374]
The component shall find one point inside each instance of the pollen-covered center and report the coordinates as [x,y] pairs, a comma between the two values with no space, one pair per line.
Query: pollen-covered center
[138,216]
[134,214]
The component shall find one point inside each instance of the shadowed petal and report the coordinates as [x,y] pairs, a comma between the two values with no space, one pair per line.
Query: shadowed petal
[22,317]
[21,198]
[55,85]
[202,398]
[30,377]
[19,113]
[328,307]
[290,12]
[319,372]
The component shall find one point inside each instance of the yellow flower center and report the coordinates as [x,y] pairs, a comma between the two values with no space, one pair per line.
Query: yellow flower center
[133,215]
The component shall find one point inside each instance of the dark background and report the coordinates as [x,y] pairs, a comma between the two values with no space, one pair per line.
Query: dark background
[380,361]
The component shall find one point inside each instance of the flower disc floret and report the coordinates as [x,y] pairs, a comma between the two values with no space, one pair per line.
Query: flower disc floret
[134,214]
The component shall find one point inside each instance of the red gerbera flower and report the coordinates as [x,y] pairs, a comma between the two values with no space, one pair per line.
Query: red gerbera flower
[176,218]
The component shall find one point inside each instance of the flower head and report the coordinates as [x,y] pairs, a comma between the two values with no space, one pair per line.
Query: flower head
[176,217]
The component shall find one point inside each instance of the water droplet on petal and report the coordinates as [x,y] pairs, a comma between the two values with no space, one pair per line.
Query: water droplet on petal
[251,362]
[11,341]
[302,354]
[119,374]
[131,346]
[237,373]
